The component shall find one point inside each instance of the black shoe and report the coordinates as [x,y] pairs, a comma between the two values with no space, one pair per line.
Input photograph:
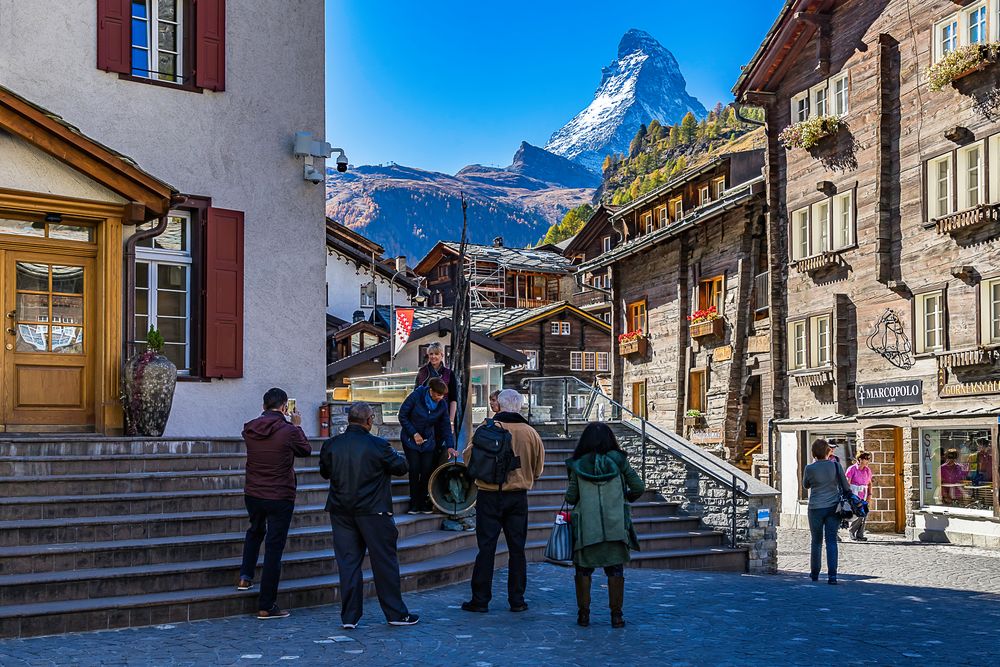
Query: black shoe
[862,539]
[814,577]
[409,619]
[519,607]
[469,606]
[273,612]
[832,581]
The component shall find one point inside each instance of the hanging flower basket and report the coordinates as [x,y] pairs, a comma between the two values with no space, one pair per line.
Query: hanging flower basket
[962,62]
[809,133]
[694,418]
[632,342]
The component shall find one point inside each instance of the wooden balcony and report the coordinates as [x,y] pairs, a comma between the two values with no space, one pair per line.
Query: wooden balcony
[980,215]
[633,346]
[975,357]
[816,262]
[532,303]
[816,378]
[707,328]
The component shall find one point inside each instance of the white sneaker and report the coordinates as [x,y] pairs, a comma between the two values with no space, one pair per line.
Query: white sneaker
[349,626]
[409,619]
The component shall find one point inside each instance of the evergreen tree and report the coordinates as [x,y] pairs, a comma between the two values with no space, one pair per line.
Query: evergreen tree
[689,128]
[675,136]
[570,224]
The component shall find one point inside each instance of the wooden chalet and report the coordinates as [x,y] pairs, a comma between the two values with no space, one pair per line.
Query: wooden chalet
[591,291]
[883,231]
[499,277]
[691,245]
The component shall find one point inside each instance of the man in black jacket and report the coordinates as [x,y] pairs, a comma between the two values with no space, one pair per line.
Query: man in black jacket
[360,467]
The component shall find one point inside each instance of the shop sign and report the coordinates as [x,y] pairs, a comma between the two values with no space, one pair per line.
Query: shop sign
[971,388]
[903,392]
[708,436]
[758,344]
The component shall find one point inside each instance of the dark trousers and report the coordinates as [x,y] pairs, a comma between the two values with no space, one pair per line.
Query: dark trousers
[269,522]
[421,466]
[376,534]
[858,527]
[497,511]
[823,523]
[610,570]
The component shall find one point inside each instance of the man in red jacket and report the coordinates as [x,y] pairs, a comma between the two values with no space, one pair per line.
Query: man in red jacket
[272,445]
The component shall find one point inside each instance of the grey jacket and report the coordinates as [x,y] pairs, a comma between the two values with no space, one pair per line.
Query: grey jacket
[825,481]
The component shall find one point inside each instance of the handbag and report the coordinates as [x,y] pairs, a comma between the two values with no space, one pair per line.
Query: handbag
[845,507]
[559,549]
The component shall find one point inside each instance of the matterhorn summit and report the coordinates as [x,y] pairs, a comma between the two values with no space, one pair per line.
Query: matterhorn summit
[642,84]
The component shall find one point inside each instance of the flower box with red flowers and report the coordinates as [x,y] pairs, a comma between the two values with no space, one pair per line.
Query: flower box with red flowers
[632,342]
[705,323]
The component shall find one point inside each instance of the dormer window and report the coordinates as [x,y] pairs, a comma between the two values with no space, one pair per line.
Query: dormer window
[718,187]
[704,195]
[647,222]
[676,208]
[661,217]
[606,244]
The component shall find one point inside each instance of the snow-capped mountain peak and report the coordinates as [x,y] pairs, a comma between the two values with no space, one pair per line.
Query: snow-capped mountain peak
[642,84]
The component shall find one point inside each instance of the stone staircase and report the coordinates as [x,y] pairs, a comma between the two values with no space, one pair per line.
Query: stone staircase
[99,533]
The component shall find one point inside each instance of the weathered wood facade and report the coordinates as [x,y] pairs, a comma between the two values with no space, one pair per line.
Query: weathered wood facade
[695,244]
[887,236]
[499,277]
[591,291]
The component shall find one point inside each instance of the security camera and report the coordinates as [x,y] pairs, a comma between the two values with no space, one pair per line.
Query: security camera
[313,175]
[342,162]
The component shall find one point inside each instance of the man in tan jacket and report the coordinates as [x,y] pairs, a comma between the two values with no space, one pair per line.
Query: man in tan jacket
[506,510]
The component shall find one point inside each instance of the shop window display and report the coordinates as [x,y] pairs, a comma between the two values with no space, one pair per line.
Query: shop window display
[958,468]
[844,449]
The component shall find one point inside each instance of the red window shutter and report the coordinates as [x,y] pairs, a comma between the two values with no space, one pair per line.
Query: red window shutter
[210,44]
[224,294]
[114,36]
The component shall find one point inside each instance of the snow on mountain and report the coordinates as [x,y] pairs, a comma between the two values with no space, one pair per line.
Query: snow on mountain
[642,84]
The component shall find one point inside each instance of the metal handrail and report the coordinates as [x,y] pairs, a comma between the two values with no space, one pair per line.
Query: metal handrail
[736,484]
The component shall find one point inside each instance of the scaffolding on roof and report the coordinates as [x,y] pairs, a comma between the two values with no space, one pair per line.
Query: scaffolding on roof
[487,282]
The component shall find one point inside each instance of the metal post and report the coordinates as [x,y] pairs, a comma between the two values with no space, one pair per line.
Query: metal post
[733,541]
[643,451]
[530,387]
[565,408]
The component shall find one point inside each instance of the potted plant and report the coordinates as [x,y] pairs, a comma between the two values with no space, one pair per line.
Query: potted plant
[705,322]
[961,62]
[694,417]
[148,389]
[809,133]
[632,342]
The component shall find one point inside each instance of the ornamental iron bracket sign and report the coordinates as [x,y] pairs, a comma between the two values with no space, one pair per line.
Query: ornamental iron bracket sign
[890,341]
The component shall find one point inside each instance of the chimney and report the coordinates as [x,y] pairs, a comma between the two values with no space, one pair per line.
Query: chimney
[359,316]
[498,242]
[401,263]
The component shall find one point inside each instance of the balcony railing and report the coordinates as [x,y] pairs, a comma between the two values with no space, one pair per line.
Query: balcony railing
[532,303]
[816,262]
[973,217]
[974,357]
[762,291]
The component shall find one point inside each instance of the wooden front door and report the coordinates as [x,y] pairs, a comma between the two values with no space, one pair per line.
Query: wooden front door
[898,473]
[48,351]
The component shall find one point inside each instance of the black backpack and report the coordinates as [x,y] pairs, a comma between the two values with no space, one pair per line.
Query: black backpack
[492,457]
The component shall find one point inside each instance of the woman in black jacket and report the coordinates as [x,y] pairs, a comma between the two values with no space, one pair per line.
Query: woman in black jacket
[425,431]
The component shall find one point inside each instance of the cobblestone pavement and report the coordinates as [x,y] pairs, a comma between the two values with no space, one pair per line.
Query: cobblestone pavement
[895,607]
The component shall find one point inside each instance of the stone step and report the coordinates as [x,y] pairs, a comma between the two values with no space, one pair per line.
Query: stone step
[103,446]
[716,558]
[11,466]
[185,480]
[49,618]
[143,552]
[26,508]
[142,526]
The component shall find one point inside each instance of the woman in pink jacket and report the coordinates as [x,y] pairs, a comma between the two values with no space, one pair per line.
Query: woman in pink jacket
[860,476]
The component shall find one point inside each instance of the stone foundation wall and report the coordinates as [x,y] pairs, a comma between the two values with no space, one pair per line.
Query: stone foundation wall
[703,496]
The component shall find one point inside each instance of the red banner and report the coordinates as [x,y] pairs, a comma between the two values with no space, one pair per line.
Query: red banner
[404,327]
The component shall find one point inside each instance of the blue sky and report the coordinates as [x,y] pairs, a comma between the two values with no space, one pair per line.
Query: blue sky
[440,84]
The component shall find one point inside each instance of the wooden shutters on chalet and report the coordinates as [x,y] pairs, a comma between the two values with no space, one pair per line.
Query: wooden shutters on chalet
[224,294]
[114,40]
[114,35]
[210,44]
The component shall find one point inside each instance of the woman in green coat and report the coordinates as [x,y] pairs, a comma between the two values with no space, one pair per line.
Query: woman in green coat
[601,484]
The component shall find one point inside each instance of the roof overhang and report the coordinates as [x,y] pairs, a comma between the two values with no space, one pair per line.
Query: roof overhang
[148,197]
[791,31]
[362,259]
[656,193]
[431,259]
[735,197]
[549,312]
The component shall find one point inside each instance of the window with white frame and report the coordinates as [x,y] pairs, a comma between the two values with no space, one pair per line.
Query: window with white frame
[718,187]
[163,288]
[661,217]
[994,154]
[590,361]
[532,363]
[810,342]
[829,224]
[158,39]
[704,195]
[368,295]
[576,361]
[603,361]
[929,322]
[560,328]
[974,24]
[830,97]
[676,208]
[989,316]
[800,107]
[939,186]
[647,222]
[606,317]
[606,244]
[970,176]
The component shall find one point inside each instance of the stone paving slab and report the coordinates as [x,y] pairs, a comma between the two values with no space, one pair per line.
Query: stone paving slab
[876,617]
